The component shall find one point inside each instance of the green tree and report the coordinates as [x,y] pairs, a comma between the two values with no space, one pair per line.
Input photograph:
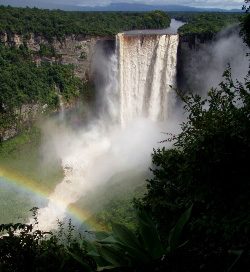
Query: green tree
[33,250]
[246,23]
[208,166]
[58,24]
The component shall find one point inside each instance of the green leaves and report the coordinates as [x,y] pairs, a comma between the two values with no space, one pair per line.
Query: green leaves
[174,238]
[79,259]
[150,236]
[204,24]
[14,227]
[124,248]
[123,235]
[121,248]
[208,166]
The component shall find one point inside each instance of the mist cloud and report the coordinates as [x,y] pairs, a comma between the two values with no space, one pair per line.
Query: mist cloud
[204,66]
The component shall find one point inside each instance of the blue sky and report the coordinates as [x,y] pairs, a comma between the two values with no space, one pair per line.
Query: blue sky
[194,3]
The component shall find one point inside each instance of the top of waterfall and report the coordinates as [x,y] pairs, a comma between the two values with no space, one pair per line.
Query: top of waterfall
[173,29]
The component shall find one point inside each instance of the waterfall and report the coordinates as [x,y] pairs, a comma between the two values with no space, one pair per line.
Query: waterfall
[62,108]
[147,68]
[133,83]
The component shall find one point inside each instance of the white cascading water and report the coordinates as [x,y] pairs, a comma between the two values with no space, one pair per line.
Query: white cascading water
[62,108]
[146,67]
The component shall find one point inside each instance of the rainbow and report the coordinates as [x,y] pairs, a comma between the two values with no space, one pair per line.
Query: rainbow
[10,176]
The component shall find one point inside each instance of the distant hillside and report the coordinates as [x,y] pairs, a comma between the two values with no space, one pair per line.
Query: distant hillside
[111,7]
[145,7]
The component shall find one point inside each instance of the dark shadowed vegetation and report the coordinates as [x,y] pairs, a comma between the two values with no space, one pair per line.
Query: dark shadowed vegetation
[35,250]
[26,248]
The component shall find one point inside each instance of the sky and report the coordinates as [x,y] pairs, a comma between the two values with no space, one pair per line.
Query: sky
[225,4]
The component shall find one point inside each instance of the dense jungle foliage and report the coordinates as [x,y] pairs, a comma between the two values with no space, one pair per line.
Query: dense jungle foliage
[246,29]
[205,23]
[23,82]
[59,23]
[208,167]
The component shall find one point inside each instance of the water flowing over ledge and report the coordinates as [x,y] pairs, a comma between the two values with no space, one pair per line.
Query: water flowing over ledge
[147,69]
[138,78]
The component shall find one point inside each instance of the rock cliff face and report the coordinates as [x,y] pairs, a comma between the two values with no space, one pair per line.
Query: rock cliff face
[24,117]
[198,52]
[73,49]
[187,46]
[77,50]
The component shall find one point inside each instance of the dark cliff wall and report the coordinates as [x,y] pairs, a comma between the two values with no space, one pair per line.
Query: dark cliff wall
[77,50]
[201,56]
[188,45]
[73,49]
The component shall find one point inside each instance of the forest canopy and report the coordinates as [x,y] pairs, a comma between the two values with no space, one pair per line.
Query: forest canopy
[205,23]
[59,23]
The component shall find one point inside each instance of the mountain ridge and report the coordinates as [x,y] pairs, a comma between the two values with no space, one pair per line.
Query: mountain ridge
[130,7]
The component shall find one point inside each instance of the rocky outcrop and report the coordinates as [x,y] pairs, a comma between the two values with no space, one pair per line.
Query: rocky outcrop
[77,50]
[193,48]
[20,119]
[187,46]
[73,49]
[195,40]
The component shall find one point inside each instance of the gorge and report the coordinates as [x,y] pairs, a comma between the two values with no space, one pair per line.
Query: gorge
[134,104]
[137,97]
